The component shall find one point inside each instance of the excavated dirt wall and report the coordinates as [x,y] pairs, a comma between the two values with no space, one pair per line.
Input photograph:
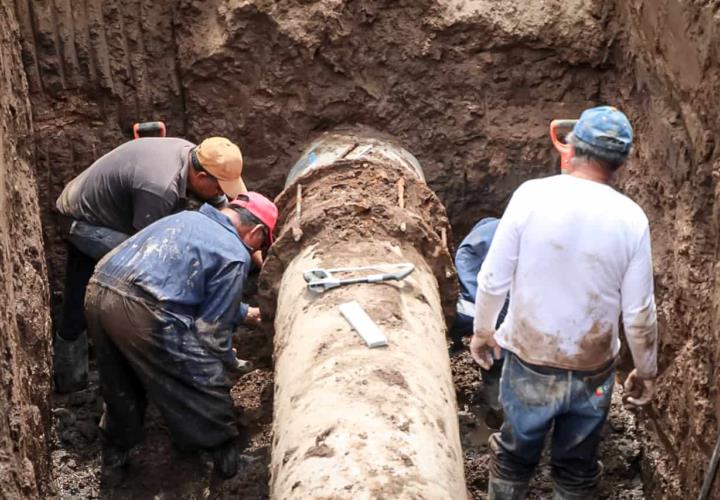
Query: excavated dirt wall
[93,68]
[467,85]
[24,318]
[672,55]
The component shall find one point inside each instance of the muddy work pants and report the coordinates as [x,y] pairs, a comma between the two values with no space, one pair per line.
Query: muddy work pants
[533,398]
[144,351]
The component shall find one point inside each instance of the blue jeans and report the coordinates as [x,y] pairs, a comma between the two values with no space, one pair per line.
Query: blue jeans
[86,245]
[535,397]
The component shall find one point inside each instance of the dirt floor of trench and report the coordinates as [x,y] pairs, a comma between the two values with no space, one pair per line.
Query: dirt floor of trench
[158,470]
[469,88]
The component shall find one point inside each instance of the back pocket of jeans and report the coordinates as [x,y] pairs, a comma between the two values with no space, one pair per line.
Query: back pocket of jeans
[599,390]
[533,388]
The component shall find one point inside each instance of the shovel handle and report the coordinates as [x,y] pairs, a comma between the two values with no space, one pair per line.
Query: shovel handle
[149,129]
[562,148]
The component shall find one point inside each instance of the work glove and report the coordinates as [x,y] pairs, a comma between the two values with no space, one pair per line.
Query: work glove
[253,317]
[484,350]
[240,366]
[638,391]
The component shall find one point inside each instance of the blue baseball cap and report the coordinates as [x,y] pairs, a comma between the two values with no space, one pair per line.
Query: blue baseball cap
[606,128]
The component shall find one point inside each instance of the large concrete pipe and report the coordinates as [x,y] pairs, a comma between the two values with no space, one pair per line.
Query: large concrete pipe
[349,421]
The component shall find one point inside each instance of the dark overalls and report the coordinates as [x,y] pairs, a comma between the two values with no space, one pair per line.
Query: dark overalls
[161,311]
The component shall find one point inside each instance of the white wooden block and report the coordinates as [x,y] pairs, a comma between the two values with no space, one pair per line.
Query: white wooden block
[363,324]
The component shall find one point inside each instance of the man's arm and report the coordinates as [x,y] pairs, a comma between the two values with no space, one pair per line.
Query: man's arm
[222,310]
[497,271]
[494,280]
[638,307]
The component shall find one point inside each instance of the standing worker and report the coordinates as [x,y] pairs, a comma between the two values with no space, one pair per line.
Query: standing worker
[574,254]
[469,259]
[161,310]
[126,190]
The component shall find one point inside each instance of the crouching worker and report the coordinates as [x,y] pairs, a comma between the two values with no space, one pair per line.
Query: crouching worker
[469,259]
[161,309]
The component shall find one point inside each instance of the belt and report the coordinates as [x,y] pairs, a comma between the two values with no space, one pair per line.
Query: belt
[549,370]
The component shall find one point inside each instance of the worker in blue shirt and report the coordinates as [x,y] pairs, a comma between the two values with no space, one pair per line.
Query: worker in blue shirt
[468,259]
[161,309]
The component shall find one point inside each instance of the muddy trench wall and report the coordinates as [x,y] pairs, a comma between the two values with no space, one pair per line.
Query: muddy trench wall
[93,67]
[468,86]
[672,55]
[24,318]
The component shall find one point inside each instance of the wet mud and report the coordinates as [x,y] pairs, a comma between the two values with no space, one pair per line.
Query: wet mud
[468,86]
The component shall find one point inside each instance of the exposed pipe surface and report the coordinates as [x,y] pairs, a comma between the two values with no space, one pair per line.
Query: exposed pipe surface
[353,422]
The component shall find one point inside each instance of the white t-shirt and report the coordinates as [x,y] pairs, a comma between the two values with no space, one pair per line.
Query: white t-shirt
[574,254]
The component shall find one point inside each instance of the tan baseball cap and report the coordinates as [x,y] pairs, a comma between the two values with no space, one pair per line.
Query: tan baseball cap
[223,160]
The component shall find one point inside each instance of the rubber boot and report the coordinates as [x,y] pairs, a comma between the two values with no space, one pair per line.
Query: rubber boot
[560,493]
[501,489]
[226,458]
[563,493]
[114,465]
[70,363]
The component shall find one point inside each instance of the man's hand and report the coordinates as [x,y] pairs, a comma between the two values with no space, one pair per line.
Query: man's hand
[253,317]
[638,391]
[482,350]
[241,366]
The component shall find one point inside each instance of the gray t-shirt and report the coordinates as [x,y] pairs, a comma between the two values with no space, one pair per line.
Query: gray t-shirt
[132,186]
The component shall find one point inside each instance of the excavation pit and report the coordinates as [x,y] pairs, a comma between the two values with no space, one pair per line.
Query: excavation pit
[469,87]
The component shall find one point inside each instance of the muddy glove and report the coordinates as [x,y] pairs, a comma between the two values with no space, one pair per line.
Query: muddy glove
[240,366]
[638,391]
[253,317]
[484,350]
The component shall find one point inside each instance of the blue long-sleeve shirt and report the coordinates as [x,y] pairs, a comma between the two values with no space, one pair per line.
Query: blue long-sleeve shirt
[471,253]
[469,258]
[194,264]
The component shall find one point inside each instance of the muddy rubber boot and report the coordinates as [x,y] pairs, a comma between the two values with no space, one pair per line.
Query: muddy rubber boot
[70,363]
[226,458]
[561,493]
[500,489]
[114,465]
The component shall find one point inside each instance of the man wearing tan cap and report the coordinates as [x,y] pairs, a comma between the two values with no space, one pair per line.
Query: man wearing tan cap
[124,191]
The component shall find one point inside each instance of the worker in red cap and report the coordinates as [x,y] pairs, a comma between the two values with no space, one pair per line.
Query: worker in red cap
[124,191]
[161,309]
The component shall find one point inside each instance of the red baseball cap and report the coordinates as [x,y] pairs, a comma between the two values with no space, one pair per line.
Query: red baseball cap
[260,207]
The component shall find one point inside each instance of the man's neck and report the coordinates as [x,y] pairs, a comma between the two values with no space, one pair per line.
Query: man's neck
[591,172]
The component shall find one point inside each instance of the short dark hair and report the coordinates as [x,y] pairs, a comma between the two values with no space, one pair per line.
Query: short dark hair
[248,219]
[609,160]
[196,163]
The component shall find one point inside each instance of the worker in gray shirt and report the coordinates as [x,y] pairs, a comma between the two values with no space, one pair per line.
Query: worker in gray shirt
[124,191]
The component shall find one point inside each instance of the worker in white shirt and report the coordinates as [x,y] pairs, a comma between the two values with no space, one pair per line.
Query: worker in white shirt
[574,254]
